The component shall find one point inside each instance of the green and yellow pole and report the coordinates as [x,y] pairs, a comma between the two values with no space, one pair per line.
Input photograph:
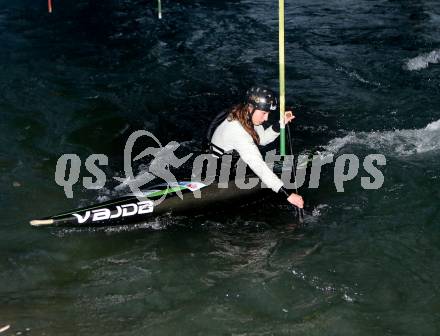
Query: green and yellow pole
[282,78]
[159,9]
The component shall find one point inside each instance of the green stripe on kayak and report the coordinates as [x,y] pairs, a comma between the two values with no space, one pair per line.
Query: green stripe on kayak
[97,206]
[166,191]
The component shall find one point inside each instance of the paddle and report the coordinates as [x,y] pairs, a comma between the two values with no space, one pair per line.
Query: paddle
[300,211]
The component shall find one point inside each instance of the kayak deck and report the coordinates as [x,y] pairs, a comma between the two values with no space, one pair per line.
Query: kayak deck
[197,198]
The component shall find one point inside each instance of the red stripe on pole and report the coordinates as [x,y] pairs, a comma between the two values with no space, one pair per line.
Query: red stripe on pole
[49,5]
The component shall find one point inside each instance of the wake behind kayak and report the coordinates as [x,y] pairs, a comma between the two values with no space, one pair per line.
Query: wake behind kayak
[157,200]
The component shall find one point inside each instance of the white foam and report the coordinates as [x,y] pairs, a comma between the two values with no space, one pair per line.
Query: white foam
[401,142]
[356,76]
[423,61]
[317,211]
[346,293]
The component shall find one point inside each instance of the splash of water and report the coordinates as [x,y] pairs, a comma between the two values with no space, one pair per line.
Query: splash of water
[422,61]
[400,142]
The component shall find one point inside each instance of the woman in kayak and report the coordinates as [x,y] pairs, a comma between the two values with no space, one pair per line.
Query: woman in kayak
[240,129]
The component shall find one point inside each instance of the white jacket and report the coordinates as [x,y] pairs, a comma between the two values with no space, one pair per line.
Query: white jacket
[231,135]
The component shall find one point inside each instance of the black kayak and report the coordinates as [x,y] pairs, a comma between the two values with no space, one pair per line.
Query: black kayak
[157,200]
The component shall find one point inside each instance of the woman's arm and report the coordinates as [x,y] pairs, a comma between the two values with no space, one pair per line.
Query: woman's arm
[271,133]
[267,135]
[243,143]
[250,154]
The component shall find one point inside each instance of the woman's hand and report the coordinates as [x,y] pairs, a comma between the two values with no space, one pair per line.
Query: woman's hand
[288,117]
[296,200]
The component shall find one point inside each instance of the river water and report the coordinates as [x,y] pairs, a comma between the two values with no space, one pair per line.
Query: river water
[363,77]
